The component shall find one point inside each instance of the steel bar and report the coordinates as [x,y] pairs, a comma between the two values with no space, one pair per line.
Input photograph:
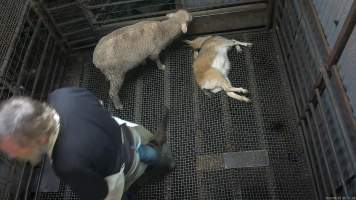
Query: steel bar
[324,155]
[328,133]
[41,64]
[28,53]
[50,69]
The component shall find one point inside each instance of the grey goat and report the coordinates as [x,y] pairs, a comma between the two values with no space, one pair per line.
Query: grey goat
[127,47]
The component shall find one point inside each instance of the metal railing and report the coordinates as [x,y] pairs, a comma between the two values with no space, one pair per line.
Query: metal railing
[325,114]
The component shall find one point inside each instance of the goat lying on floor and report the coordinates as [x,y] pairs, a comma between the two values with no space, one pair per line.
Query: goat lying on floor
[211,65]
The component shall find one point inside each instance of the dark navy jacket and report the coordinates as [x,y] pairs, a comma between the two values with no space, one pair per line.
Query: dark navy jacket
[89,145]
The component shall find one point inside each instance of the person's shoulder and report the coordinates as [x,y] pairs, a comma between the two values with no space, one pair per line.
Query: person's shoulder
[66,92]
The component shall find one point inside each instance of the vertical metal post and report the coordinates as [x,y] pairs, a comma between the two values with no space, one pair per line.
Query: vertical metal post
[270,13]
[311,162]
[41,64]
[40,177]
[339,118]
[18,190]
[55,74]
[318,159]
[51,67]
[313,114]
[28,53]
[328,133]
[350,118]
[60,77]
[27,190]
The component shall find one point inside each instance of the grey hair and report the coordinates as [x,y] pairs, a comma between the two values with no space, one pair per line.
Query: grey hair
[26,120]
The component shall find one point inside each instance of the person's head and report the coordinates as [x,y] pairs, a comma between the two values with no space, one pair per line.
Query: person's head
[25,128]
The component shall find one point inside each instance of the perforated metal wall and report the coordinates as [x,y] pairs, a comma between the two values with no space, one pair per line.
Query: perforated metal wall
[31,64]
[11,13]
[320,97]
[202,128]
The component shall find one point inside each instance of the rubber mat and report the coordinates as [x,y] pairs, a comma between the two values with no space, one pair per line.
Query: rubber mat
[206,132]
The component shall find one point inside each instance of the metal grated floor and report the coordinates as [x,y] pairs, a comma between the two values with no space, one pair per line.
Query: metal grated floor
[202,128]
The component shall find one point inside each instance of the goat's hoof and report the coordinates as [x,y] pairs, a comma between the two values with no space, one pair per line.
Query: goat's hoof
[162,67]
[247,100]
[118,106]
[243,91]
[238,49]
[208,94]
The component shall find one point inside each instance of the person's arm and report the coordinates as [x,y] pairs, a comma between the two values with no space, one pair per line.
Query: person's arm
[91,186]
[88,185]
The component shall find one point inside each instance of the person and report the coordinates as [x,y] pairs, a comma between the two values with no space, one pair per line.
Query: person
[97,155]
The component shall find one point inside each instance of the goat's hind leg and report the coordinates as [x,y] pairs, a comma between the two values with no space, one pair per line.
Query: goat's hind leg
[230,88]
[231,43]
[115,85]
[246,44]
[237,89]
[238,43]
[159,64]
[238,97]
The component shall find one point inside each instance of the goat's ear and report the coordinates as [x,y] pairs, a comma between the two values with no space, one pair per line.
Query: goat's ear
[184,28]
[170,15]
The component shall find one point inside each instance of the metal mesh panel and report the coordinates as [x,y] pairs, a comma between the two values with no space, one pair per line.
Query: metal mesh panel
[346,170]
[324,115]
[11,14]
[201,128]
[33,54]
[25,42]
[81,23]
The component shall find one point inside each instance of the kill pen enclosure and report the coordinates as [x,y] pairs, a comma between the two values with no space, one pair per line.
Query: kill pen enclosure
[295,140]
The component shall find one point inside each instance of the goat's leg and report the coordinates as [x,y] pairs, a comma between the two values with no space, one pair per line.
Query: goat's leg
[231,43]
[228,88]
[237,89]
[246,44]
[156,59]
[160,65]
[238,43]
[207,92]
[115,85]
[238,48]
[238,97]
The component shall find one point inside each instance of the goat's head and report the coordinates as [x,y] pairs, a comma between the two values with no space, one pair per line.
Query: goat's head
[183,17]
